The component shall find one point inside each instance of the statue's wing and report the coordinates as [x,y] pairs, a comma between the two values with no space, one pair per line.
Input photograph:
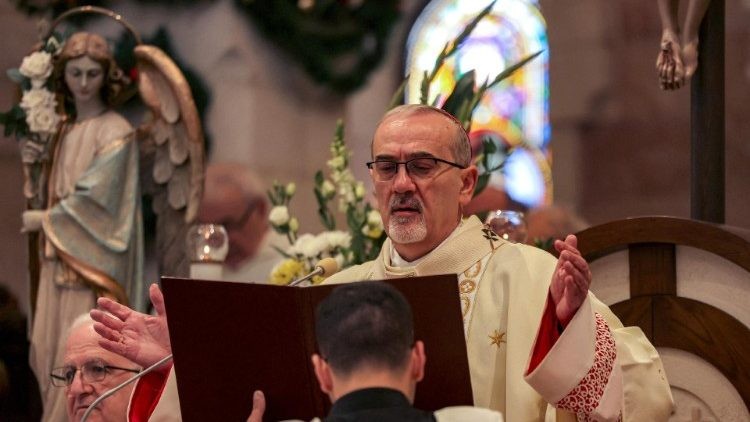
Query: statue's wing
[172,154]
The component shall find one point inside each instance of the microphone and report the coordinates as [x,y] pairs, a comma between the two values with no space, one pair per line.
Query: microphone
[325,267]
[121,386]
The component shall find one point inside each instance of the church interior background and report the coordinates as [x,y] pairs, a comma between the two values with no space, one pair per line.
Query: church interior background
[616,144]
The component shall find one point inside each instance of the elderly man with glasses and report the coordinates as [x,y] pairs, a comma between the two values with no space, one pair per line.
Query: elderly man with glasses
[579,361]
[88,371]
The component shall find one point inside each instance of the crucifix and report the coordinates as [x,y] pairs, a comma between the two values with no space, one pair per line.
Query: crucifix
[697,55]
[707,124]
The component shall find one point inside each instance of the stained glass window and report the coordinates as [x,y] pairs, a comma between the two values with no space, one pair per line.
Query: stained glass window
[515,111]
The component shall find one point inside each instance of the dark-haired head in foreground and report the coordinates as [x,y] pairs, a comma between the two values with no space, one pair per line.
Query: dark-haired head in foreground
[365,337]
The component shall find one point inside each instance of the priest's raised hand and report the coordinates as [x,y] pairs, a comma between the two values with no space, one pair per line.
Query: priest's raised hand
[570,281]
[142,338]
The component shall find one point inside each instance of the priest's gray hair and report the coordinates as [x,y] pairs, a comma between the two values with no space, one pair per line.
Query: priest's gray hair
[461,147]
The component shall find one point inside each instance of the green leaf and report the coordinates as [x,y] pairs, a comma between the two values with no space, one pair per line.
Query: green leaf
[450,48]
[354,223]
[509,70]
[464,115]
[488,146]
[18,113]
[281,251]
[271,197]
[462,92]
[398,97]
[14,121]
[468,29]
[424,88]
[319,179]
[546,244]
[499,78]
[482,181]
[15,75]
[339,134]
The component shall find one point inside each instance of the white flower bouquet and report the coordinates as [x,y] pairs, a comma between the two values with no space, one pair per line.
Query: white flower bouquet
[35,119]
[360,243]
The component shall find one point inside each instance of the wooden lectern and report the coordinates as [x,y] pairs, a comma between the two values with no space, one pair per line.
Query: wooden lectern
[230,339]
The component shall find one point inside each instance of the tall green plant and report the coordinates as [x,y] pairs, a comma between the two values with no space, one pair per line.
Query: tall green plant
[465,97]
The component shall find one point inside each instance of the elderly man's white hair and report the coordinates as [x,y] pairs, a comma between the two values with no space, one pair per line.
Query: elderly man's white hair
[80,321]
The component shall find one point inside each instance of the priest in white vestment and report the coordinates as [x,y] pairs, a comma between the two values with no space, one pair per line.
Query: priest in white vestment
[541,347]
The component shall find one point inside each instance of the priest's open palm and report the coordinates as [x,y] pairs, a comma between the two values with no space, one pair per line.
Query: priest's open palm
[570,281]
[142,338]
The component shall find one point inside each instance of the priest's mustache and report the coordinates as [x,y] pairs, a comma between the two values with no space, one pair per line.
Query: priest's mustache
[405,201]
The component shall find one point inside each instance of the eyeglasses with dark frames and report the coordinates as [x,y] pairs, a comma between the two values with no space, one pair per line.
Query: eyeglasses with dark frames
[420,167]
[92,371]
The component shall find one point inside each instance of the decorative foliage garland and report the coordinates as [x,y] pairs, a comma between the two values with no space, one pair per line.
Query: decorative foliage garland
[337,42]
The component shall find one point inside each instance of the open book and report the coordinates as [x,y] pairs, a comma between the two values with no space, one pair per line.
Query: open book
[230,339]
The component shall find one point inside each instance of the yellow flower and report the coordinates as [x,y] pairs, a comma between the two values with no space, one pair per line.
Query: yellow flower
[290,189]
[359,190]
[372,232]
[286,271]
[294,224]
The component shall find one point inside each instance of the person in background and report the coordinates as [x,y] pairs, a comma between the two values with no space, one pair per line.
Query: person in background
[234,197]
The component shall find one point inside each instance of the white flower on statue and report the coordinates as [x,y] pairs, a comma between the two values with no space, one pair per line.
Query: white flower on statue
[38,83]
[35,98]
[42,120]
[37,65]
[279,215]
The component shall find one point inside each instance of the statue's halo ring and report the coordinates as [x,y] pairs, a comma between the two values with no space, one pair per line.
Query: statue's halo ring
[98,11]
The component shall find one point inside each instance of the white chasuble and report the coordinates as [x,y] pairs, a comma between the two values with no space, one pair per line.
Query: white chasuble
[519,363]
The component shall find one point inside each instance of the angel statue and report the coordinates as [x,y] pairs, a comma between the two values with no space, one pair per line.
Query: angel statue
[88,177]
[678,55]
